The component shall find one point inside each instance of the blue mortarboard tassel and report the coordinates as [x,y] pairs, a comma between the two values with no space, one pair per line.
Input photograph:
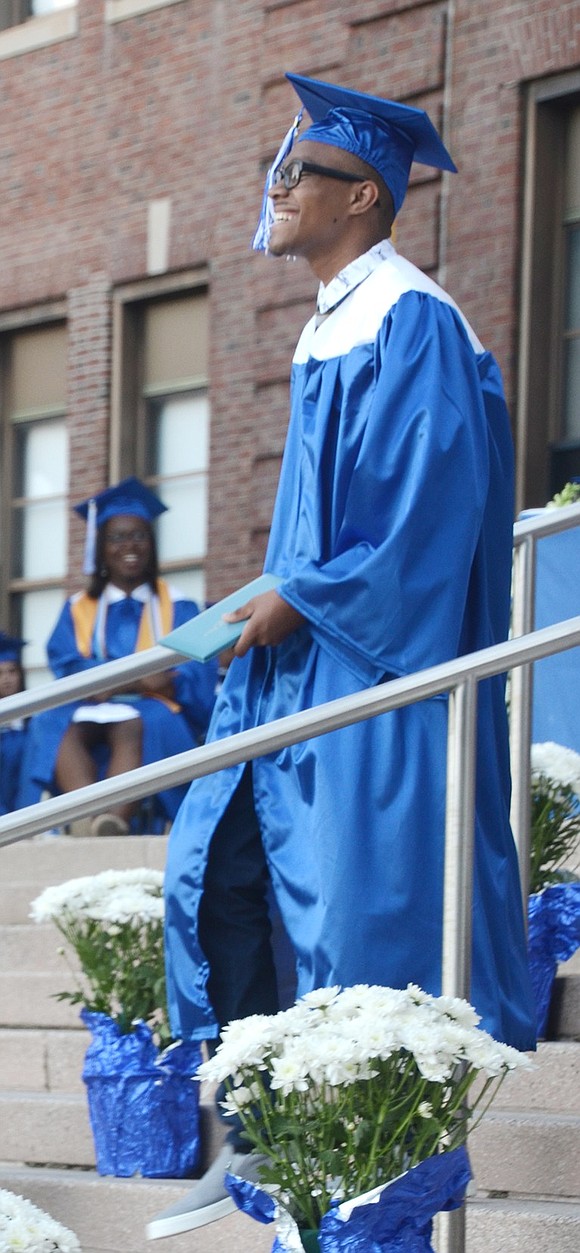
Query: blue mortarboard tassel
[90,539]
[262,236]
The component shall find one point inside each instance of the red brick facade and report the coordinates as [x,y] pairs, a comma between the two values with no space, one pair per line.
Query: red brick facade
[188,101]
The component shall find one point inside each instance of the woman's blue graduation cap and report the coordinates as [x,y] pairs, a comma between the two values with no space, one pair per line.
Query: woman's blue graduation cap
[11,647]
[387,135]
[131,496]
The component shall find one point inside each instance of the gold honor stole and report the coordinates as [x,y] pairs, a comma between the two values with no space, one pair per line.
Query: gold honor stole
[84,615]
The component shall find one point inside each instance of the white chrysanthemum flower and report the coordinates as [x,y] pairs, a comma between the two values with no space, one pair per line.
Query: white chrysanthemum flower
[24,1228]
[320,998]
[116,896]
[461,1011]
[557,763]
[289,1074]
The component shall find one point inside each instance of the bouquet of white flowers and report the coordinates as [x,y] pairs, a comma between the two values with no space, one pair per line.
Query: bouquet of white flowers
[26,1229]
[114,923]
[144,1109]
[554,902]
[555,831]
[350,1088]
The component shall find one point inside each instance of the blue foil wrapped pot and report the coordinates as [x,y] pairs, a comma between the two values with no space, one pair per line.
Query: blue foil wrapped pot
[399,1220]
[553,936]
[143,1103]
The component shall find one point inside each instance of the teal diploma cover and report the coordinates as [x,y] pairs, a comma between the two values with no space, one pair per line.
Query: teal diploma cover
[207,635]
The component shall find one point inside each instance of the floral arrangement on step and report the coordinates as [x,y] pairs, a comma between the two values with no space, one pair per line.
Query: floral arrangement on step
[555,818]
[554,901]
[114,923]
[349,1089]
[26,1229]
[143,1105]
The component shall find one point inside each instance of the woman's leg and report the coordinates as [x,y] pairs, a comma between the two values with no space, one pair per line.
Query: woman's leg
[76,765]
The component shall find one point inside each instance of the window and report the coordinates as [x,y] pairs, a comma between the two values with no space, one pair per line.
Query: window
[165,383]
[34,487]
[549,386]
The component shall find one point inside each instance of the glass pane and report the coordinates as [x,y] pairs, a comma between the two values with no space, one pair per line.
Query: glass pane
[50,6]
[40,540]
[572,389]
[191,583]
[182,530]
[180,434]
[43,455]
[573,279]
[39,612]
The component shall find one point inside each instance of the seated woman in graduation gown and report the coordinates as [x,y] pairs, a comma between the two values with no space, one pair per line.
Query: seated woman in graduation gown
[12,734]
[127,607]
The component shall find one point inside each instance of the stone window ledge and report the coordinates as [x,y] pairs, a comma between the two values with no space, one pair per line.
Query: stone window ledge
[38,32]
[119,10]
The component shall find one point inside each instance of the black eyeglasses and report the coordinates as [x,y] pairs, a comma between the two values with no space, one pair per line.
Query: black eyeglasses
[138,536]
[291,173]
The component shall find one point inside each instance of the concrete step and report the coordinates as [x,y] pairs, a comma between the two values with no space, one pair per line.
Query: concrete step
[32,865]
[35,947]
[527,1153]
[44,857]
[48,1060]
[553,1084]
[28,1000]
[41,1128]
[109,1216]
[504,1226]
[564,1016]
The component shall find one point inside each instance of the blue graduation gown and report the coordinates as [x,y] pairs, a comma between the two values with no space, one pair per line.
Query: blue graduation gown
[392,535]
[12,744]
[165,732]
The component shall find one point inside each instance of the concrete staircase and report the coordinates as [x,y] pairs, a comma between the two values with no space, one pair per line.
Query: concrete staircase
[525,1153]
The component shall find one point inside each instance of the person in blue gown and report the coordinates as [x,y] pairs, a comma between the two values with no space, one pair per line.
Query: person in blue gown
[12,734]
[127,607]
[392,537]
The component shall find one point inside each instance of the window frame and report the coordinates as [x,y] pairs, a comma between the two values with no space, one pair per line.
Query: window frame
[129,396]
[13,324]
[540,379]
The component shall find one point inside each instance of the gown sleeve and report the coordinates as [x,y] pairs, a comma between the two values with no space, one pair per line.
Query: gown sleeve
[391,598]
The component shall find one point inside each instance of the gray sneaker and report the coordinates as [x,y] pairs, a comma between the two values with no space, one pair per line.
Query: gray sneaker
[208,1200]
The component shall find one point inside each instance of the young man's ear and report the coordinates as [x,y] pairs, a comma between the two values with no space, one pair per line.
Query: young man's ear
[364,196]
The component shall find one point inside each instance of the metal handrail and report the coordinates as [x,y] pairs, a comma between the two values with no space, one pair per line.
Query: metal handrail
[258,741]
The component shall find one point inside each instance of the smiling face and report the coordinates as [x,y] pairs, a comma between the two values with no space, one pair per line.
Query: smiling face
[127,550]
[323,219]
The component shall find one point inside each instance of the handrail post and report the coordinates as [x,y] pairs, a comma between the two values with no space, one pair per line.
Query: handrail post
[458,883]
[521,691]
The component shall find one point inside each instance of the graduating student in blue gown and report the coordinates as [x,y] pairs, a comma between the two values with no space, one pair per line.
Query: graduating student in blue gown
[127,607]
[12,734]
[392,535]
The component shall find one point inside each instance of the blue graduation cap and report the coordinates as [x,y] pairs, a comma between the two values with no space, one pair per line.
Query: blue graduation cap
[11,647]
[131,496]
[387,135]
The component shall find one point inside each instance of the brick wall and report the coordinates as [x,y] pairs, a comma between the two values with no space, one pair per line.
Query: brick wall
[189,102]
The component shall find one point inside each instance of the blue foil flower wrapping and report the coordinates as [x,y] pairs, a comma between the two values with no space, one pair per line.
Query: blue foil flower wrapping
[399,1221]
[143,1104]
[553,936]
